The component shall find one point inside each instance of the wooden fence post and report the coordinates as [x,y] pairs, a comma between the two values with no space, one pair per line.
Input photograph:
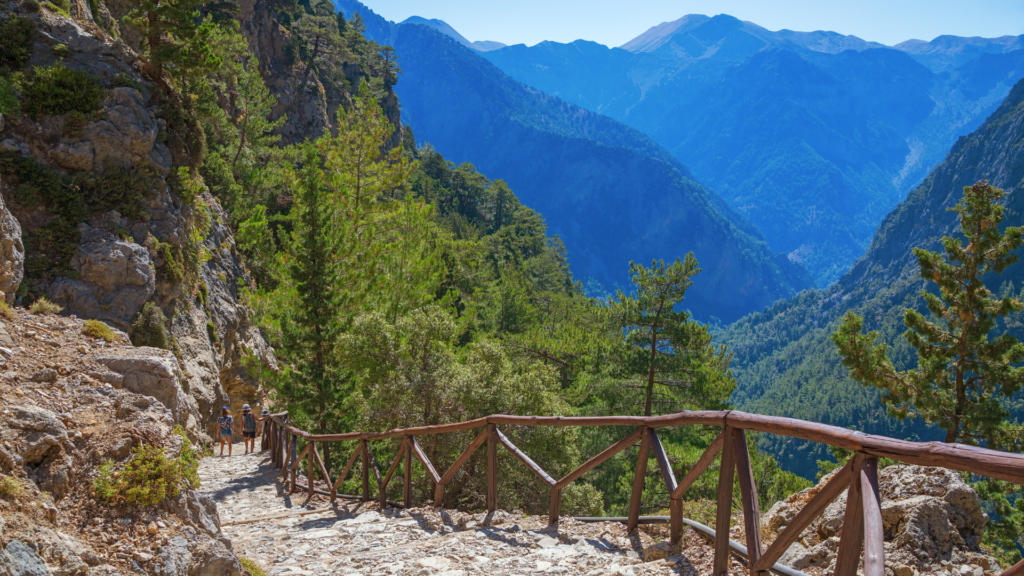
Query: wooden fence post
[407,487]
[366,470]
[748,494]
[874,531]
[309,468]
[554,505]
[639,477]
[851,535]
[273,443]
[492,469]
[727,467]
[295,447]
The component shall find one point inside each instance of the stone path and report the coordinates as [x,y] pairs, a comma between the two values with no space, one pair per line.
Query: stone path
[286,535]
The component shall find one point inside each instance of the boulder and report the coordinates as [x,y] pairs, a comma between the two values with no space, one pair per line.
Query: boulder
[116,279]
[12,254]
[76,156]
[42,433]
[930,515]
[127,134]
[19,559]
[154,372]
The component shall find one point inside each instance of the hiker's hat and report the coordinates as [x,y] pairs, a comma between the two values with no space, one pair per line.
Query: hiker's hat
[245,406]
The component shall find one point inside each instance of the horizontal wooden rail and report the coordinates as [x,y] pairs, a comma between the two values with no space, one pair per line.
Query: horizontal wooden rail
[862,525]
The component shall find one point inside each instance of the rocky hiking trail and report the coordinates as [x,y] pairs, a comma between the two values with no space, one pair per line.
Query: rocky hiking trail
[291,535]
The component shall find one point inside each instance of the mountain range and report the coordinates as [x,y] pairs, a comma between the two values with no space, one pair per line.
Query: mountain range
[610,192]
[814,136]
[785,363]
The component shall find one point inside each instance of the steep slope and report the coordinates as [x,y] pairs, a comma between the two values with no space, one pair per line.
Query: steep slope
[813,135]
[612,194]
[785,363]
[950,52]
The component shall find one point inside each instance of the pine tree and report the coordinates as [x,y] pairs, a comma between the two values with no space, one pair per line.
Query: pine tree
[314,381]
[675,364]
[965,375]
[174,33]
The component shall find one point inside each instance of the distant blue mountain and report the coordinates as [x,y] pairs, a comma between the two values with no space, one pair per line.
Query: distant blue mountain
[609,191]
[443,27]
[814,136]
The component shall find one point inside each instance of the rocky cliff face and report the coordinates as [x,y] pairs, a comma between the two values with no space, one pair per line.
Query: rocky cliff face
[118,262]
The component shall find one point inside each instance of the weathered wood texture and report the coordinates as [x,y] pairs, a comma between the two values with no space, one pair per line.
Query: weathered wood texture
[724,509]
[529,463]
[874,532]
[639,477]
[748,494]
[851,535]
[439,489]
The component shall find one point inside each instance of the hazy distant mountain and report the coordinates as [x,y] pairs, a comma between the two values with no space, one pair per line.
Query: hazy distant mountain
[610,192]
[814,136]
[950,52]
[443,27]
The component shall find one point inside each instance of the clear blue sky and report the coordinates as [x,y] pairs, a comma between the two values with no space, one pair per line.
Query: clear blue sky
[615,23]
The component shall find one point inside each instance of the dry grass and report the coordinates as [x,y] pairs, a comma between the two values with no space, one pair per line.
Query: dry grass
[6,311]
[98,329]
[253,568]
[11,488]
[44,306]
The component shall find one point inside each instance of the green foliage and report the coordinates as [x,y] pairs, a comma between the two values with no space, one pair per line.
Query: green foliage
[211,331]
[149,328]
[671,357]
[56,89]
[105,483]
[121,79]
[582,499]
[61,50]
[15,42]
[97,329]
[43,307]
[172,269]
[55,8]
[10,105]
[965,377]
[252,567]
[174,37]
[122,188]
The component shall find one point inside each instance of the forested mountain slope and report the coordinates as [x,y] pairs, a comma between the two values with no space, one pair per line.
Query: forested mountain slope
[611,193]
[813,135]
[785,363]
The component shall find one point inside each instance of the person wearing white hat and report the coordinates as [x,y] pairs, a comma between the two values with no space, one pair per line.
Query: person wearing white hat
[248,429]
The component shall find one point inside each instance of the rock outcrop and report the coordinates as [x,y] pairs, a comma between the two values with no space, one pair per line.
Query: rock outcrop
[12,254]
[932,520]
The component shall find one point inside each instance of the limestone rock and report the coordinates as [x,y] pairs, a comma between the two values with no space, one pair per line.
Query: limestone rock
[42,432]
[154,372]
[76,156]
[929,515]
[659,551]
[12,254]
[18,559]
[117,277]
[127,134]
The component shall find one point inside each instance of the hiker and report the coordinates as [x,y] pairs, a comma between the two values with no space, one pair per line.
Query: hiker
[225,428]
[248,429]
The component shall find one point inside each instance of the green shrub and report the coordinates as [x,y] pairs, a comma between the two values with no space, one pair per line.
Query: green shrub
[203,293]
[105,484]
[58,90]
[253,568]
[97,329]
[211,330]
[55,8]
[11,488]
[43,306]
[5,310]
[16,42]
[172,269]
[582,499]
[61,50]
[149,328]
[10,105]
[188,458]
[149,477]
[121,188]
[122,80]
[31,5]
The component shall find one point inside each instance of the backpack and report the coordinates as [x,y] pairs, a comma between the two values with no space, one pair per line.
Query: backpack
[248,423]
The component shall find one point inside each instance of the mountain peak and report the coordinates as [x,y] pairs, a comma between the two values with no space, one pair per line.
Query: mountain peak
[446,29]
[660,34]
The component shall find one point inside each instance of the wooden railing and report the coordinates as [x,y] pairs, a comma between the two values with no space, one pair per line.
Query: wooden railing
[862,524]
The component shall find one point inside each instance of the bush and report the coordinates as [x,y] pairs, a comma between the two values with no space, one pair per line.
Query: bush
[31,5]
[211,330]
[253,568]
[6,311]
[43,306]
[121,188]
[97,329]
[58,90]
[10,105]
[150,328]
[105,484]
[15,42]
[582,499]
[11,488]
[55,8]
[61,50]
[122,80]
